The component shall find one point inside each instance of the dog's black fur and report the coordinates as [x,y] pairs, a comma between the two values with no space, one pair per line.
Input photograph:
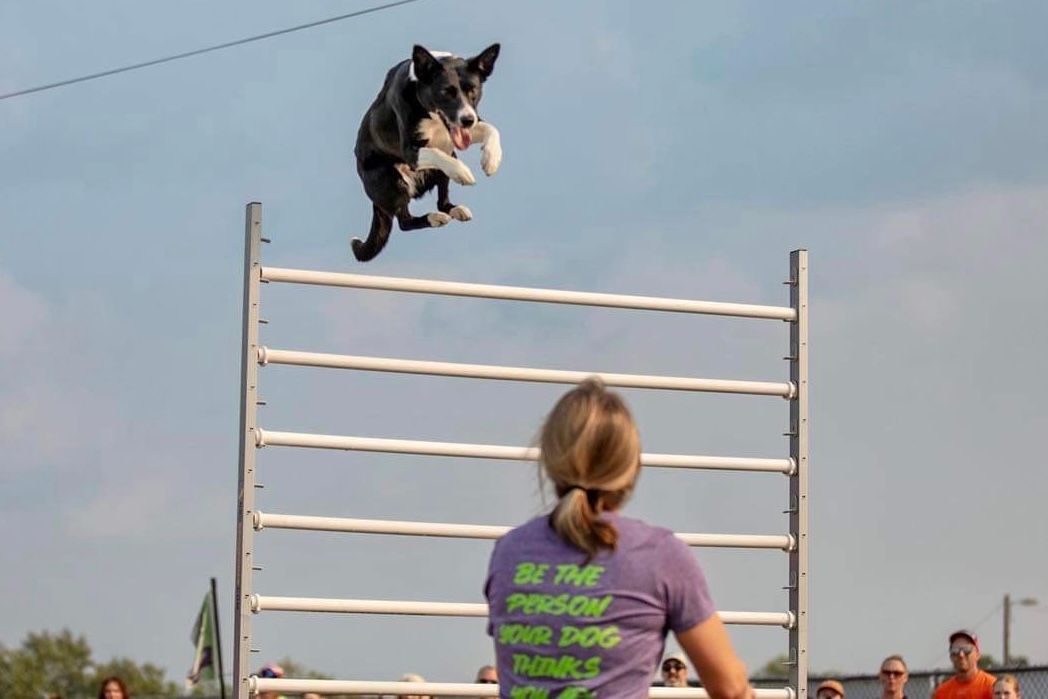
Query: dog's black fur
[407,141]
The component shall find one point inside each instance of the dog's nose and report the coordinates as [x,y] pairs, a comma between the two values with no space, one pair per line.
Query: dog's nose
[467,120]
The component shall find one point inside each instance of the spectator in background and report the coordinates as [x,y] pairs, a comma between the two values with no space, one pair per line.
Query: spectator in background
[270,671]
[412,677]
[311,695]
[113,688]
[674,670]
[487,674]
[829,689]
[894,675]
[1006,687]
[968,682]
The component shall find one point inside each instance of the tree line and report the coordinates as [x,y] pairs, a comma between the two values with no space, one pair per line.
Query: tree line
[61,665]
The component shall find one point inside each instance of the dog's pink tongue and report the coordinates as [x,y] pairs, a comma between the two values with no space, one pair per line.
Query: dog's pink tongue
[462,138]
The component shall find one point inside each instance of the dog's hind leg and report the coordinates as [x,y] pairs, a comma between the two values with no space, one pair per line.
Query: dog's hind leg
[455,211]
[381,225]
[408,222]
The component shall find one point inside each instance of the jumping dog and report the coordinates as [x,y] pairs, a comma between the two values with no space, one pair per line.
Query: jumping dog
[425,111]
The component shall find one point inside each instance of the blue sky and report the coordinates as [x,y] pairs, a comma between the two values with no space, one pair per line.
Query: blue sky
[678,151]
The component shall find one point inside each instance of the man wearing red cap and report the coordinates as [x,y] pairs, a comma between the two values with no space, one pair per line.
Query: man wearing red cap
[969,682]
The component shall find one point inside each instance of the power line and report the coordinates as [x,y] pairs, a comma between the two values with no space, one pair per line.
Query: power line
[996,608]
[197,52]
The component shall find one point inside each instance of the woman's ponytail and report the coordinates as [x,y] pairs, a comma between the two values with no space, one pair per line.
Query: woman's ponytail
[591,453]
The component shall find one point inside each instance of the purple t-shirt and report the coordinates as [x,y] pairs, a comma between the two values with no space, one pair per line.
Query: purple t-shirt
[565,629]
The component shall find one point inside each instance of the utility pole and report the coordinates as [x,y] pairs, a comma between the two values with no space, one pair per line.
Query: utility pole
[1007,630]
[1024,602]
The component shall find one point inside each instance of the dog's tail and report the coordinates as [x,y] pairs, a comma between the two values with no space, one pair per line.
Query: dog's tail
[381,225]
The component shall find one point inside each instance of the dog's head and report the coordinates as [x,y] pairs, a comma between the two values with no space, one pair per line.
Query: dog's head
[451,87]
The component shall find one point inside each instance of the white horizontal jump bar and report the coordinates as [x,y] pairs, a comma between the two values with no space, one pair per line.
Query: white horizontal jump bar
[506,373]
[265,438]
[478,531]
[451,689]
[519,293]
[261,603]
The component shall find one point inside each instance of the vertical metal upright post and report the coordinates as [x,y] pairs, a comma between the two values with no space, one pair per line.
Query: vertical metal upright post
[1007,630]
[799,480]
[246,481]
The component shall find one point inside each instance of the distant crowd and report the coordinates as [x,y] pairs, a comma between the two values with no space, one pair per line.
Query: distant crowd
[967,682]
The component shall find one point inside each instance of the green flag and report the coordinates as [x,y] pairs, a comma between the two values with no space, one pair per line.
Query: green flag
[205,660]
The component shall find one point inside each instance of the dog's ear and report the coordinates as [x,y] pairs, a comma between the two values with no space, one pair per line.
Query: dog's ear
[426,64]
[484,62]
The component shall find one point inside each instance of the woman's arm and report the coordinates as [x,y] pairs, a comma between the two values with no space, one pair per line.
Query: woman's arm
[708,646]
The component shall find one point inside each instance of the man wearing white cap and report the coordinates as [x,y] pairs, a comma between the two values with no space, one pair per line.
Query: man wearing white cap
[675,670]
[413,677]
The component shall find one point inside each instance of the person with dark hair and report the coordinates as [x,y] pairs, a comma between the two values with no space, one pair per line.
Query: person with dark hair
[270,671]
[580,600]
[893,676]
[113,688]
[969,681]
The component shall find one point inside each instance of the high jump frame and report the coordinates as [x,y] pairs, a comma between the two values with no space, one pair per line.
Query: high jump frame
[253,437]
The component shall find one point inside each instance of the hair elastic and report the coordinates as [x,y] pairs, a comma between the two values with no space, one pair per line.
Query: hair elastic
[592,494]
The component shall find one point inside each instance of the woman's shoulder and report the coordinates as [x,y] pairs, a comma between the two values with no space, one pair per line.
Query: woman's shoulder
[638,532]
[536,526]
[536,529]
[635,536]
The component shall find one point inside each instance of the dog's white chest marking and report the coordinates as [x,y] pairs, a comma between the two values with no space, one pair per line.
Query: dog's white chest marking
[432,130]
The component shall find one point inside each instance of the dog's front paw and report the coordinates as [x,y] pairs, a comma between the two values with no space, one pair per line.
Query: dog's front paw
[461,213]
[438,219]
[491,157]
[462,174]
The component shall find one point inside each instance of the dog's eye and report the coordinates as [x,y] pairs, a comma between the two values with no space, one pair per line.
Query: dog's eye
[451,91]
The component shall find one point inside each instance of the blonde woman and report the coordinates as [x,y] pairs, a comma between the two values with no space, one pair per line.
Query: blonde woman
[1006,687]
[893,676]
[580,600]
